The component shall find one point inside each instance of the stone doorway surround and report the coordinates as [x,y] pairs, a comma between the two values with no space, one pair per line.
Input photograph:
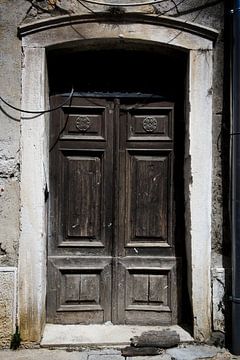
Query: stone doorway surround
[64,31]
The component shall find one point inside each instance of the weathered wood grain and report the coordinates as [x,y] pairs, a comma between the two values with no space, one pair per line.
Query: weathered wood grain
[111,249]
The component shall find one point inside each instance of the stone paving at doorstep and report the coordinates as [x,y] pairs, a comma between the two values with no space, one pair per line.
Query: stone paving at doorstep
[105,342]
[183,352]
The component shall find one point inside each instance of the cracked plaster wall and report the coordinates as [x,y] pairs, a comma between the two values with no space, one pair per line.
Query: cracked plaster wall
[10,89]
[12,14]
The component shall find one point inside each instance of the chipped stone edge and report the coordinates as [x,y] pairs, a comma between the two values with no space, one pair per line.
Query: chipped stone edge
[218,289]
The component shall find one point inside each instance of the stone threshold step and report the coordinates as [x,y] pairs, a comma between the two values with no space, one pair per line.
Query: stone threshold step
[100,335]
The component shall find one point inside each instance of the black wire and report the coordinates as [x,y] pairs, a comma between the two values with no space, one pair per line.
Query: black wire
[149,2]
[9,115]
[40,112]
[86,7]
[62,130]
[172,8]
[176,6]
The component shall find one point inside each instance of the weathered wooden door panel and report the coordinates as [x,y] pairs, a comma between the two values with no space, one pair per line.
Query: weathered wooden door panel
[83,208]
[150,291]
[146,182]
[79,290]
[111,246]
[148,175]
[83,196]
[149,122]
[80,239]
[146,266]
[81,175]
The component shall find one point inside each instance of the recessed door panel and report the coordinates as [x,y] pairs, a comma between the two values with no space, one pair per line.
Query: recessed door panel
[148,190]
[150,290]
[150,123]
[86,122]
[84,193]
[79,289]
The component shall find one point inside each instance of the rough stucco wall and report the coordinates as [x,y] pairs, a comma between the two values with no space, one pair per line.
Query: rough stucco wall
[208,13]
[10,80]
[11,14]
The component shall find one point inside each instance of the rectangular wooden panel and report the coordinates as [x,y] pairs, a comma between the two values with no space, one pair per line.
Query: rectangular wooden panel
[84,123]
[148,290]
[150,124]
[149,197]
[149,181]
[79,290]
[83,194]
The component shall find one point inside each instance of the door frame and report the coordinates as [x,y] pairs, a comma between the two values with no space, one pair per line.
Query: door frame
[65,30]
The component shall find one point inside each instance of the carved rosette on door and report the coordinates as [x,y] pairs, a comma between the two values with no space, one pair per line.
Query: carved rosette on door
[111,247]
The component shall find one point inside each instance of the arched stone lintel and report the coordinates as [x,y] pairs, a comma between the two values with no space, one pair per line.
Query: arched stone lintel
[128,18]
[34,150]
[67,32]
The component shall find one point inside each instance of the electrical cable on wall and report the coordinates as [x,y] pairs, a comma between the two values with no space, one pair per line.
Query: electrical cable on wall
[38,112]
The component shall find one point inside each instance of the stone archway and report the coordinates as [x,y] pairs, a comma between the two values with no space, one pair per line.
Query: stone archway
[198,42]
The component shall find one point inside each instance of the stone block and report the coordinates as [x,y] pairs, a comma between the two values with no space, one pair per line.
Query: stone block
[155,357]
[105,357]
[193,352]
[7,304]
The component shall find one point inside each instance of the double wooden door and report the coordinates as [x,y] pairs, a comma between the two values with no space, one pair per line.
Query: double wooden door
[111,248]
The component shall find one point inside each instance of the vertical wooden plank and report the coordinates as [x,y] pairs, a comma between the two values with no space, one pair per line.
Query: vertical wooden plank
[149,195]
[89,288]
[158,289]
[72,287]
[117,213]
[140,287]
[83,196]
